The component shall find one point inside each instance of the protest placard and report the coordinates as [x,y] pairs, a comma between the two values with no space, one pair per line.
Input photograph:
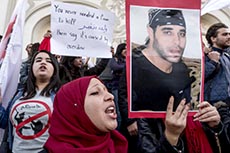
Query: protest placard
[79,30]
[164,55]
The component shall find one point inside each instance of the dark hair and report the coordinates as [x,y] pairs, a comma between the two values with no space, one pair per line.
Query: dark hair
[212,31]
[54,84]
[67,61]
[35,48]
[119,50]
[0,38]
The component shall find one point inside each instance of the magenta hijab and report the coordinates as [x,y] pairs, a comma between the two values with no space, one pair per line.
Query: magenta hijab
[71,129]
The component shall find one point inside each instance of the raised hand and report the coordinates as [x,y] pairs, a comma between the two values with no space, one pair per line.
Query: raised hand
[175,122]
[214,55]
[133,129]
[208,114]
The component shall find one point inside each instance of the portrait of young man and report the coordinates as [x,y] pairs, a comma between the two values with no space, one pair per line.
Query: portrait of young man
[158,70]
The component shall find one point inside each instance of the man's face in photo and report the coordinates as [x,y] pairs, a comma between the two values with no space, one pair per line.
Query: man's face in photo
[169,42]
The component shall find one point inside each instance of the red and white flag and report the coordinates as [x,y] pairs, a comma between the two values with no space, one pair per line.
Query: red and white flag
[11,52]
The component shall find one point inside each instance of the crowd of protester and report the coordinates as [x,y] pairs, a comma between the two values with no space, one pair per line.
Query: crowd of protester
[63,105]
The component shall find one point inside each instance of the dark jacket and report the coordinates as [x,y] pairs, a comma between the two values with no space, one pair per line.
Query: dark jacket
[123,102]
[216,84]
[117,67]
[152,138]
[24,71]
[123,108]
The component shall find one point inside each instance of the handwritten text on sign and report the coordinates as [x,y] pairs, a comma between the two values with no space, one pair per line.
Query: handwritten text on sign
[79,30]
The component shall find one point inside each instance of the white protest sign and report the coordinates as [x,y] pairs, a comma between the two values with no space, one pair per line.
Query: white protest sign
[79,30]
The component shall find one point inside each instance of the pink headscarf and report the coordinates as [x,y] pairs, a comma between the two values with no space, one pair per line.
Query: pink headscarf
[71,129]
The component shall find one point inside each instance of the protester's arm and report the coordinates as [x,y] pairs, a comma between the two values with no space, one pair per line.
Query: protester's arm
[211,64]
[169,140]
[98,68]
[3,117]
[4,113]
[175,121]
[115,66]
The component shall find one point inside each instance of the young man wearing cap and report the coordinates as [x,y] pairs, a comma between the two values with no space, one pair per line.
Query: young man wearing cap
[160,63]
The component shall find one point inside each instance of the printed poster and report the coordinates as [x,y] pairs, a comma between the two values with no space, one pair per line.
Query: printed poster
[164,56]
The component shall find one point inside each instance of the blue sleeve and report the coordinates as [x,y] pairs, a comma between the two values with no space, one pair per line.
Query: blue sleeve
[210,66]
[3,117]
[4,113]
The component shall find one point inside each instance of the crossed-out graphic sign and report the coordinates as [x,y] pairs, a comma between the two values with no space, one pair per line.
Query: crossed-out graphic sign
[31,118]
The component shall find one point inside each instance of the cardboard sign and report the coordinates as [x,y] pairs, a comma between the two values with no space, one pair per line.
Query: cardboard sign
[79,30]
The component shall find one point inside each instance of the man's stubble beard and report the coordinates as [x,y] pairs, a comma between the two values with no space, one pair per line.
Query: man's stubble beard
[161,53]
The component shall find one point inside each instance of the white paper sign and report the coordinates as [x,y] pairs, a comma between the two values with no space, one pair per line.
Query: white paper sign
[79,30]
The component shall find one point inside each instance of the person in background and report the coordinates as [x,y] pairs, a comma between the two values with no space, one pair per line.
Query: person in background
[76,69]
[28,114]
[117,65]
[84,119]
[217,64]
[128,125]
[58,57]
[106,76]
[24,71]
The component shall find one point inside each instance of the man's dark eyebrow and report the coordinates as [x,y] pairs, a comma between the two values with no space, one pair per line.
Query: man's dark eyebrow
[169,28]
[183,30]
[226,33]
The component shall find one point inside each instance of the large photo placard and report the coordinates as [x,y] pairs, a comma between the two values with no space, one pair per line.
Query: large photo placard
[79,30]
[164,56]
